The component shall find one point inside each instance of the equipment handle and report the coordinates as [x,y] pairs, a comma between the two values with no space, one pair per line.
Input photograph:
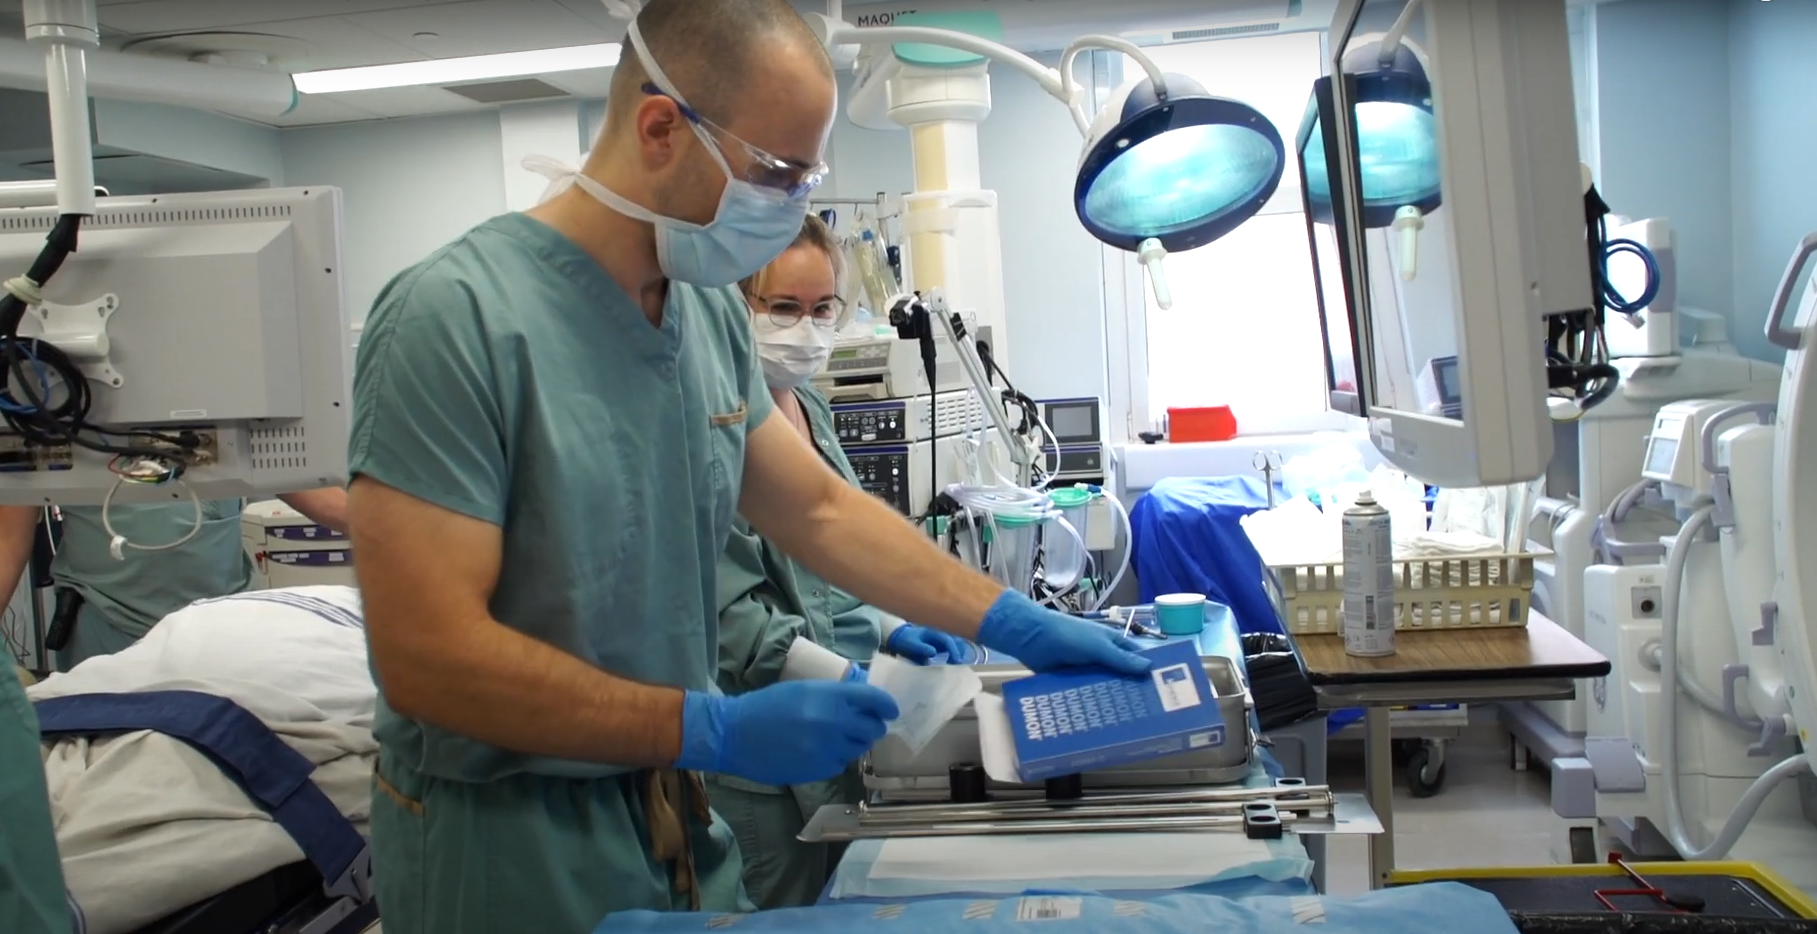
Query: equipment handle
[1706,439]
[1778,331]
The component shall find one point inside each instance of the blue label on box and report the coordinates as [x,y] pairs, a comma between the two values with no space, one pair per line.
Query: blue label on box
[1075,722]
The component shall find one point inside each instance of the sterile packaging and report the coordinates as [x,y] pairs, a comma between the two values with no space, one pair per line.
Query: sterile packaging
[928,696]
[809,661]
[1065,723]
[1294,533]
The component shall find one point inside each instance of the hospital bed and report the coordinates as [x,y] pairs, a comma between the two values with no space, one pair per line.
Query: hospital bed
[215,777]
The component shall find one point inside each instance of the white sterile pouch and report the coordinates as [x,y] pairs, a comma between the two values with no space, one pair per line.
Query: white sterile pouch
[927,695]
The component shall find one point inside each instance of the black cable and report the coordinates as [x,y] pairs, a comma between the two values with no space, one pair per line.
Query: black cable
[1577,351]
[930,364]
[1031,410]
[30,364]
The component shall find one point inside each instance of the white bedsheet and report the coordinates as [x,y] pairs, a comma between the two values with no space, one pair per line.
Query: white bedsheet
[146,824]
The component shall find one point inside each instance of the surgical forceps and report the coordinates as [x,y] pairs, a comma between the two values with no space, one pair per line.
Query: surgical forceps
[1268,462]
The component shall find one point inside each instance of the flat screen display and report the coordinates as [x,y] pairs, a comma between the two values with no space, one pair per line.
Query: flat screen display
[1072,423]
[1328,253]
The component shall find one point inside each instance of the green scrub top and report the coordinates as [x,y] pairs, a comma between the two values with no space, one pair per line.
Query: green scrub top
[509,379]
[767,599]
[32,898]
[131,595]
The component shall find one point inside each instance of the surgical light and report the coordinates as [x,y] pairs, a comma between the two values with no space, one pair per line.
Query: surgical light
[1396,137]
[1176,165]
[1165,166]
[455,70]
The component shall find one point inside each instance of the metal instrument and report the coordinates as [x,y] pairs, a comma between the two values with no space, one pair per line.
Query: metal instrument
[1290,805]
[1268,462]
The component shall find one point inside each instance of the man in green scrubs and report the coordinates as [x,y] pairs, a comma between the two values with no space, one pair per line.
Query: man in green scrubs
[767,600]
[555,419]
[119,599]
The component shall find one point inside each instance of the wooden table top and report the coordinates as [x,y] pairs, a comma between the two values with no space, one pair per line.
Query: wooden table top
[1542,649]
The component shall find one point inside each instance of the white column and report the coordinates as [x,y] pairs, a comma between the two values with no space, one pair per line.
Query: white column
[547,129]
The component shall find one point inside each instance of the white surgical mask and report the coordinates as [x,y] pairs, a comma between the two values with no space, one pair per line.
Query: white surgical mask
[791,354]
[753,225]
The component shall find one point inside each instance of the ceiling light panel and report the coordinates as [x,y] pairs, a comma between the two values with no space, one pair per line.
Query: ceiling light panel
[456,70]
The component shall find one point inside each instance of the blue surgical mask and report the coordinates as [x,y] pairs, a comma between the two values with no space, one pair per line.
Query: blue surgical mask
[753,225]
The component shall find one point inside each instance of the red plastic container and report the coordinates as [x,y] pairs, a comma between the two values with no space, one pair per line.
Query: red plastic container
[1205,423]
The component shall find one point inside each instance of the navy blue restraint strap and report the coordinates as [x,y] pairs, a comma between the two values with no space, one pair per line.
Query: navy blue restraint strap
[243,747]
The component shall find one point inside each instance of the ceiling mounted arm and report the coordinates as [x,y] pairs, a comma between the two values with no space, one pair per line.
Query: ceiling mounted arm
[1391,43]
[1058,83]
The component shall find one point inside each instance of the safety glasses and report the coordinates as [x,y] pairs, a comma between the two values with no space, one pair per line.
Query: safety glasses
[787,312]
[762,168]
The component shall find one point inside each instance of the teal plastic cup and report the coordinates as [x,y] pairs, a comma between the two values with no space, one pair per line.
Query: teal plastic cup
[1180,614]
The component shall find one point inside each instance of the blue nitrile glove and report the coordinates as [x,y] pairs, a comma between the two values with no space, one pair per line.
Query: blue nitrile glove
[855,674]
[920,644]
[1045,640]
[789,733]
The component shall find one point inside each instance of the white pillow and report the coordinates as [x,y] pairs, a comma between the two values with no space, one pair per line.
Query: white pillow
[292,655]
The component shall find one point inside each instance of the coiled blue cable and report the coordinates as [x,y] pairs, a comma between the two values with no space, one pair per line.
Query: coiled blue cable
[8,403]
[1612,297]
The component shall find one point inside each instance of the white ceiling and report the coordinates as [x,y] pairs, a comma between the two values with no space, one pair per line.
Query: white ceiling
[347,33]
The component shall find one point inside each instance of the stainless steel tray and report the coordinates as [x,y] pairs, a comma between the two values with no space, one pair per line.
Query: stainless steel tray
[1340,813]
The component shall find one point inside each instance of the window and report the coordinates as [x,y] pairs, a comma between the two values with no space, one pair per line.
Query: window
[1581,23]
[1244,328]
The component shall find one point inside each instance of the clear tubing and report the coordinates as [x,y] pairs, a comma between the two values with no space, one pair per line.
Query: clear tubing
[1129,547]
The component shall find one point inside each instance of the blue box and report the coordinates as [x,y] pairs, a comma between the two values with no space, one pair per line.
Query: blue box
[1080,722]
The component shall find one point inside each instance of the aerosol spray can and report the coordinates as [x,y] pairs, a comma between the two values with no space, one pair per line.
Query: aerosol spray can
[1368,579]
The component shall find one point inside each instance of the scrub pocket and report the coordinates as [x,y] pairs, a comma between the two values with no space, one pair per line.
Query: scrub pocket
[728,432]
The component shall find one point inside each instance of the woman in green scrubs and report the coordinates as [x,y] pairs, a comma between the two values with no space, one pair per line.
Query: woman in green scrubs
[767,601]
[113,602]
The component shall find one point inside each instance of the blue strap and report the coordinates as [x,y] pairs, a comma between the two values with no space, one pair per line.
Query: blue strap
[243,747]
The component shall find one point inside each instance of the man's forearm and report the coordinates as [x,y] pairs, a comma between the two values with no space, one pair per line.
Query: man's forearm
[18,535]
[325,507]
[501,687]
[859,544]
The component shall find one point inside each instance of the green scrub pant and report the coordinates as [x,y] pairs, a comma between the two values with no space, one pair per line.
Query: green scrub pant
[530,853]
[31,873]
[94,636]
[780,871]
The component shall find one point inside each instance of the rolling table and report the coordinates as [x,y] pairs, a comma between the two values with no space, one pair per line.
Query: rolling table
[1464,666]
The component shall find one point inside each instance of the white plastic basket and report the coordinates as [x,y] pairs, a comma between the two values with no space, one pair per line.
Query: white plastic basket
[1482,592]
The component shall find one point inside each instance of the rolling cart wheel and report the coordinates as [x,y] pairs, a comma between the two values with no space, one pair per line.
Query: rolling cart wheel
[1425,772]
[1583,846]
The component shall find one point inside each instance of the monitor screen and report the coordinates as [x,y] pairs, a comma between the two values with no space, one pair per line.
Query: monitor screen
[1406,269]
[1072,422]
[1446,371]
[1329,250]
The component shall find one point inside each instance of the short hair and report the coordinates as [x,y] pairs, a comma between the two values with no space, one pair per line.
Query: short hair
[815,234]
[707,48]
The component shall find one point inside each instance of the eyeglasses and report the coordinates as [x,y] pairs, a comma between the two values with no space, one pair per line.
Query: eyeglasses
[788,312]
[762,169]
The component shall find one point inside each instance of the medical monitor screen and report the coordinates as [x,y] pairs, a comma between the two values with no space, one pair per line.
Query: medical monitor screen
[1072,422]
[1403,287]
[1329,251]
